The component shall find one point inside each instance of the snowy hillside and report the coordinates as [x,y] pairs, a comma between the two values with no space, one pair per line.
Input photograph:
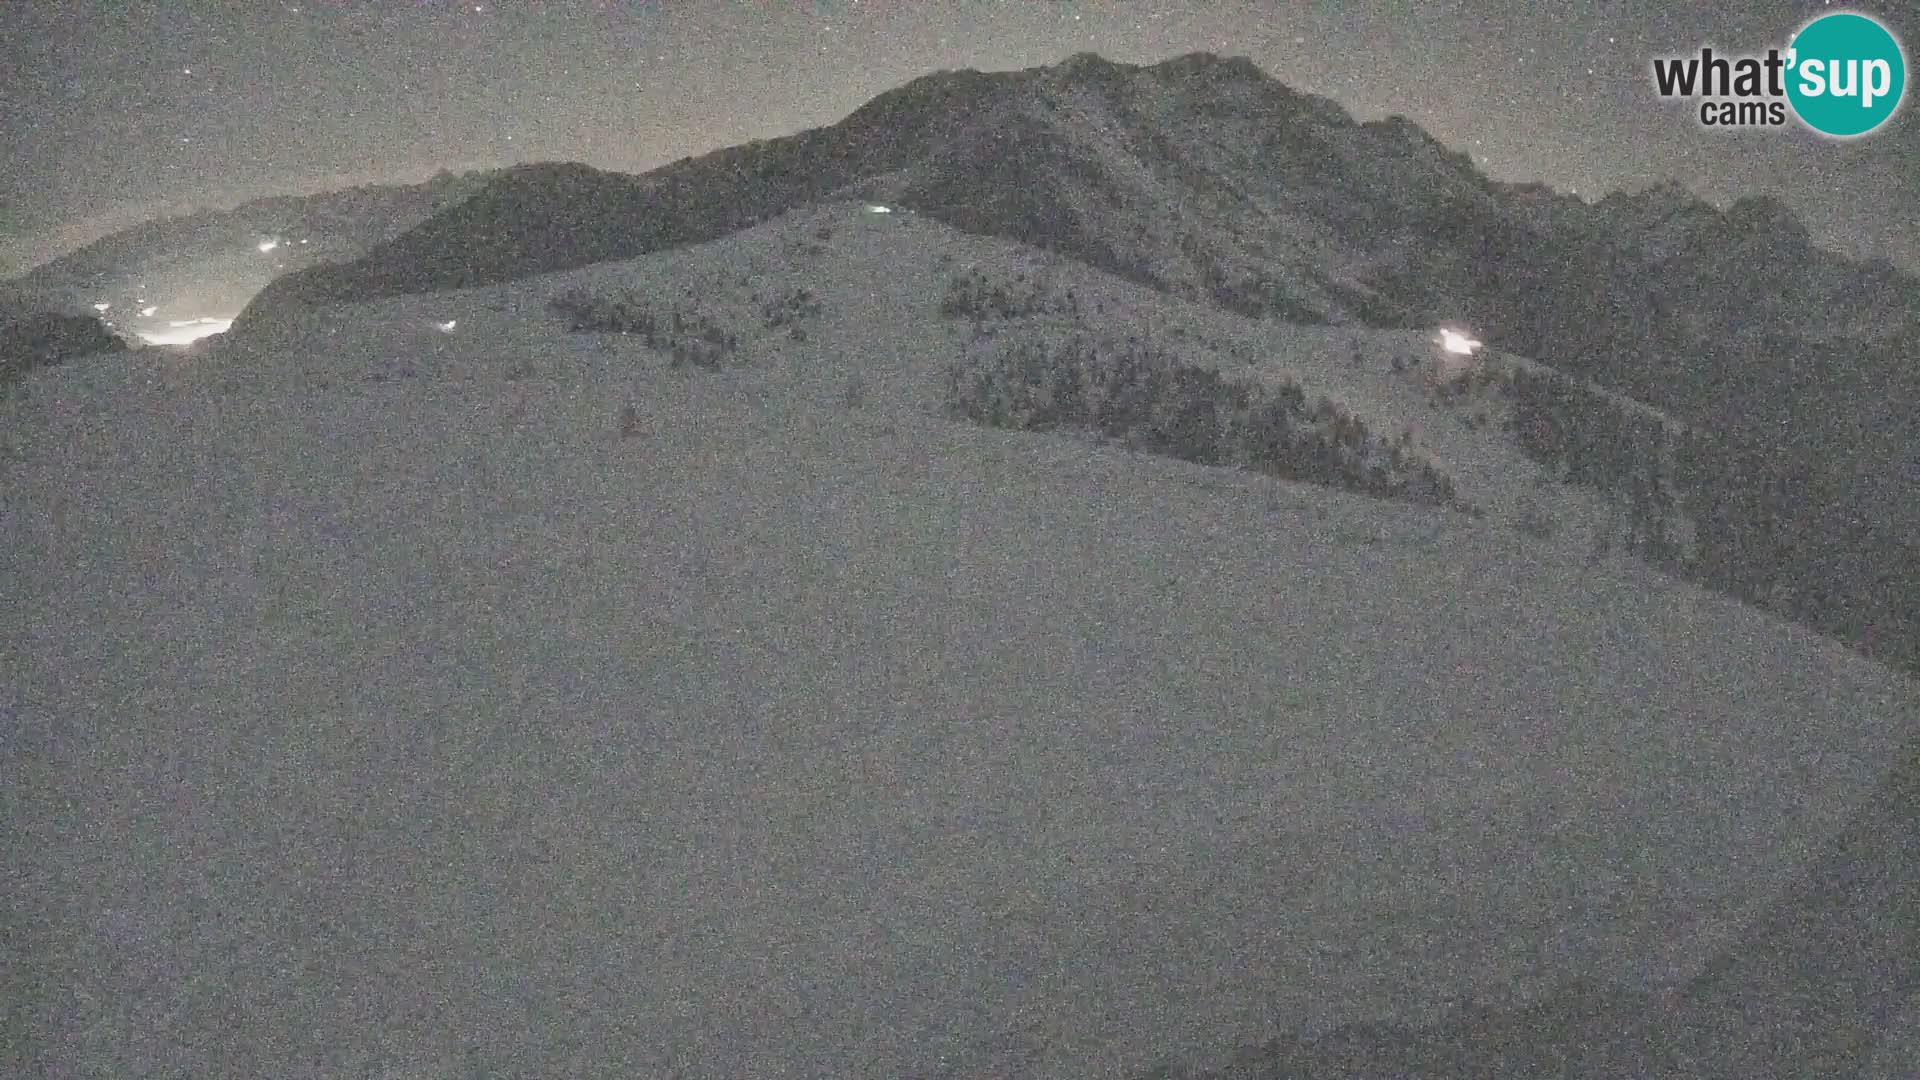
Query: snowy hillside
[419,688]
[1208,179]
[881,279]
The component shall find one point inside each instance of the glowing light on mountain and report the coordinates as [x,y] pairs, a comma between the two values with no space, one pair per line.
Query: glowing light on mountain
[876,208]
[447,327]
[102,306]
[148,311]
[268,245]
[1456,342]
[186,331]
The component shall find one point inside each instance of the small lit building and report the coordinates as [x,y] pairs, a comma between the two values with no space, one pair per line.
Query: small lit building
[1455,356]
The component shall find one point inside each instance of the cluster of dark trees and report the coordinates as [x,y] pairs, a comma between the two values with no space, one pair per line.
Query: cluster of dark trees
[1779,528]
[1596,440]
[1255,294]
[1153,402]
[689,338]
[975,296]
[1799,537]
[789,307]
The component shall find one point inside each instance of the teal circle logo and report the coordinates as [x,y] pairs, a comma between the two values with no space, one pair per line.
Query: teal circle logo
[1846,74]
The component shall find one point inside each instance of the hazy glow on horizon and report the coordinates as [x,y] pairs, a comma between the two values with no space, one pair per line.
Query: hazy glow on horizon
[186,331]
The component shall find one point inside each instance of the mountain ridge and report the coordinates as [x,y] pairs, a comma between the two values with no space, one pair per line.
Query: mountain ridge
[1207,177]
[211,263]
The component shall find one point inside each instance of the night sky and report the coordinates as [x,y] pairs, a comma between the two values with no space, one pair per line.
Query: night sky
[118,111]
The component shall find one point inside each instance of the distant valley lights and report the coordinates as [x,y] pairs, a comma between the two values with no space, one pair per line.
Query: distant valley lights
[186,331]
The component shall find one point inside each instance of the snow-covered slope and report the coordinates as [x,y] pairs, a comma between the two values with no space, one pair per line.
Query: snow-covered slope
[880,280]
[1208,179]
[498,700]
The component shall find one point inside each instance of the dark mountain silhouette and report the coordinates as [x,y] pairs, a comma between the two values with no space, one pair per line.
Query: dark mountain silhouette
[210,263]
[1207,178]
[1731,319]
[1200,175]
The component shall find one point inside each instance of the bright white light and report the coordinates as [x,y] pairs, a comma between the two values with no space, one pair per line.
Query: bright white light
[268,245]
[148,311]
[1456,342]
[876,208]
[447,327]
[185,331]
[102,306]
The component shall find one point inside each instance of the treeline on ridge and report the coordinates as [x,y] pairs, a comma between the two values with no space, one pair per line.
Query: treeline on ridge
[1771,527]
[1150,401]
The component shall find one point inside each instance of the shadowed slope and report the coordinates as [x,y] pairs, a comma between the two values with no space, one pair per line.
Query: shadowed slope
[1811,989]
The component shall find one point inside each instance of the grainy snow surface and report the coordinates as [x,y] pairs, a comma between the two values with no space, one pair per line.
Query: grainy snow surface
[424,724]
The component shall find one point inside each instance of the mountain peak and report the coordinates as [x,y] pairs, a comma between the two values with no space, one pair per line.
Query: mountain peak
[1200,69]
[1766,214]
[1093,61]
[1212,66]
[1406,130]
[1665,197]
[1409,138]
